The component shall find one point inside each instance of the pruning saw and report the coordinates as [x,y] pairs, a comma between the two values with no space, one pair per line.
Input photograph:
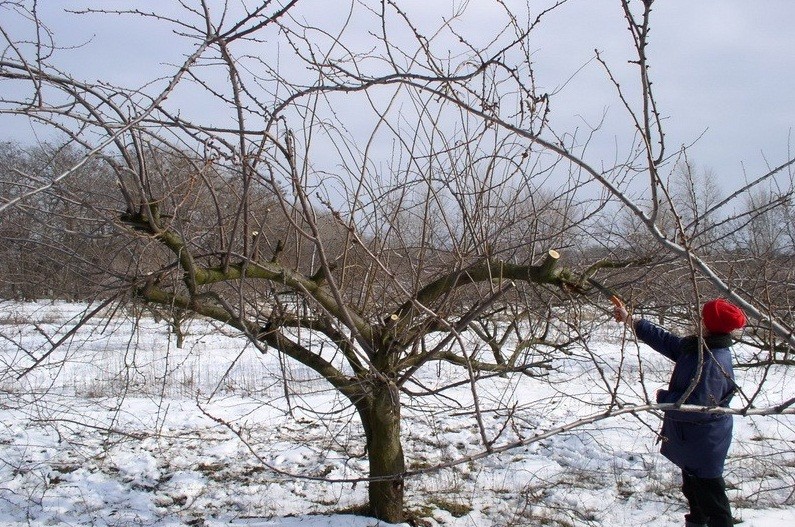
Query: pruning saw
[609,293]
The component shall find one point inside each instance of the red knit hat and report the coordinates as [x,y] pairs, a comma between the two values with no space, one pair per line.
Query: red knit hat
[721,316]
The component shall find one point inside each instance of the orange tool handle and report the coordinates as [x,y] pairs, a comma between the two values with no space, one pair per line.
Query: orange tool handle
[616,301]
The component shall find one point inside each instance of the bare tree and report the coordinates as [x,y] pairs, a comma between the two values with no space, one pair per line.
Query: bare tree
[382,192]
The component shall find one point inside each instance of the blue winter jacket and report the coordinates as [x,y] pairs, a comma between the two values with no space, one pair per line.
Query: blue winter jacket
[697,442]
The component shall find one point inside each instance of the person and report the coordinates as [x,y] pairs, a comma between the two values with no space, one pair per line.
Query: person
[697,442]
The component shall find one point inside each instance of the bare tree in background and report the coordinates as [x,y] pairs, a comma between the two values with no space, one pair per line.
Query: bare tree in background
[383,191]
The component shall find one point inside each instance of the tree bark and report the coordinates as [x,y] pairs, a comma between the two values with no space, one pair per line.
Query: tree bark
[381,419]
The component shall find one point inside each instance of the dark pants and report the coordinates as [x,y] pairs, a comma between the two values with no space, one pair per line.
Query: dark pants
[708,502]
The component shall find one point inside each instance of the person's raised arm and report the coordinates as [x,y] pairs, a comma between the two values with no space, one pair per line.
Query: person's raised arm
[660,340]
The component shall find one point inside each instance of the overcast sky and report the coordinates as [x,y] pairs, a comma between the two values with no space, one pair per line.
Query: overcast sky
[723,68]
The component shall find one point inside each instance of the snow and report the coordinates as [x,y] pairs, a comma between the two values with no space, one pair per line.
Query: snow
[197,442]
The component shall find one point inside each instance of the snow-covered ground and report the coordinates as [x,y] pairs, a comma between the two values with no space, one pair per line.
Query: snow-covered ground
[118,427]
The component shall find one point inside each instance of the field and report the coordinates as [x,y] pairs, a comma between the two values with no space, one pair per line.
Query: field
[118,427]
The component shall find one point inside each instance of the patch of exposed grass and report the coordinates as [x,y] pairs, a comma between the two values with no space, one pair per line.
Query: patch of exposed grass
[456,508]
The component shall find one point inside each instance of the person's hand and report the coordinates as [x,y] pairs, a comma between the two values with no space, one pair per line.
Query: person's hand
[620,312]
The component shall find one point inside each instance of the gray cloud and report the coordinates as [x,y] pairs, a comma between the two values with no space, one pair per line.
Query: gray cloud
[724,66]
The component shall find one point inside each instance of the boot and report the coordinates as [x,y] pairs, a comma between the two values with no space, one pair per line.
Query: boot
[691,524]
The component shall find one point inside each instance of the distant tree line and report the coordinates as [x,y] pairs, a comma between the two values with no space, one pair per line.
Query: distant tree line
[69,241]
